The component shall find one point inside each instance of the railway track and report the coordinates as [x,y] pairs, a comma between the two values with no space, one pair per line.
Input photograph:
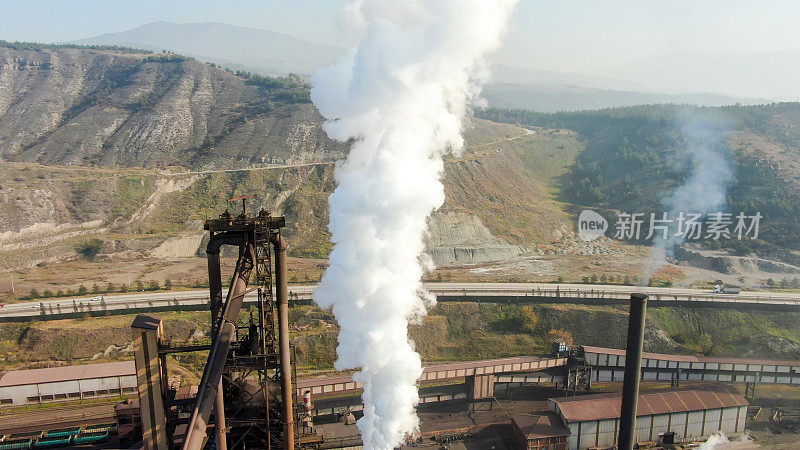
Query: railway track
[57,416]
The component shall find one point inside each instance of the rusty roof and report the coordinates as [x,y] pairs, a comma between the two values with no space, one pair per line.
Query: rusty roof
[540,425]
[688,358]
[68,373]
[608,406]
[335,379]
[146,321]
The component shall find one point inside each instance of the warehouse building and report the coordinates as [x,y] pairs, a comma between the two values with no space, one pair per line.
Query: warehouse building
[25,387]
[609,365]
[692,414]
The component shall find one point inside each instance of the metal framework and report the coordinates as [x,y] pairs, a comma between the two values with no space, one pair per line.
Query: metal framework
[247,381]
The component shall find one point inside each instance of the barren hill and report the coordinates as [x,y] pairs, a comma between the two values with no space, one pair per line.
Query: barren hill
[74,106]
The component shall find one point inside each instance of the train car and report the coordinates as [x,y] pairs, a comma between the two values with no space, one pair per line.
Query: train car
[16,443]
[62,432]
[25,435]
[91,437]
[53,441]
[20,440]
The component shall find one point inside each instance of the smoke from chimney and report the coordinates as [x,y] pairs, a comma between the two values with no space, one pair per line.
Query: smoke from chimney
[400,96]
[705,188]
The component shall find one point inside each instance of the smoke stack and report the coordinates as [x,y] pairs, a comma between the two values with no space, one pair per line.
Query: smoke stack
[633,370]
[282,297]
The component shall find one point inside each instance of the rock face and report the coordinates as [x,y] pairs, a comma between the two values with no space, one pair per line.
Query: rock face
[87,107]
[728,264]
[186,246]
[458,238]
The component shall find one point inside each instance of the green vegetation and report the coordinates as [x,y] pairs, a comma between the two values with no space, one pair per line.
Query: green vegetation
[36,46]
[452,331]
[131,194]
[633,156]
[167,57]
[89,249]
[282,90]
[730,333]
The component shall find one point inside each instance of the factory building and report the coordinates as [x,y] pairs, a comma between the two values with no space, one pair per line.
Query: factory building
[26,387]
[692,414]
[541,431]
[609,365]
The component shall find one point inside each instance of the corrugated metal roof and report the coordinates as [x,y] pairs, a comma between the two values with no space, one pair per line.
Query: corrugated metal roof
[608,406]
[68,373]
[540,425]
[687,358]
[308,382]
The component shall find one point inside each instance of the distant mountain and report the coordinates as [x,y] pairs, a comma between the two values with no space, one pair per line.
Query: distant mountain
[236,47]
[554,97]
[708,79]
[552,79]
[772,75]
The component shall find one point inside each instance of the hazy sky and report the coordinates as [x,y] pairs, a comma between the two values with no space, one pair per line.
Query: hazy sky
[576,35]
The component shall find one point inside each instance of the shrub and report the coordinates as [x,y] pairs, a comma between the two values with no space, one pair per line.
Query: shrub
[89,249]
[527,318]
[560,334]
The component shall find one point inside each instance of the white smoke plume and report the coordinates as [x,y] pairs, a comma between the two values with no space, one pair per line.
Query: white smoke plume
[400,97]
[720,440]
[703,192]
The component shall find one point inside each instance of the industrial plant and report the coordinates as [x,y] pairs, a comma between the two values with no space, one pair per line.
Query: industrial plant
[389,224]
[250,395]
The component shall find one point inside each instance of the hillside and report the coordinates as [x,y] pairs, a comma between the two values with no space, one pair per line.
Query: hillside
[82,107]
[555,97]
[136,149]
[635,156]
[452,331]
[143,147]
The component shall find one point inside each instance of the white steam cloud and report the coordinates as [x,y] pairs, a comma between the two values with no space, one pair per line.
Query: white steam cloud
[400,97]
[721,440]
[703,192]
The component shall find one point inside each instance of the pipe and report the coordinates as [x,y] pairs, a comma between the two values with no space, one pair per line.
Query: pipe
[282,297]
[633,370]
[196,431]
[215,273]
[219,419]
[215,302]
[215,290]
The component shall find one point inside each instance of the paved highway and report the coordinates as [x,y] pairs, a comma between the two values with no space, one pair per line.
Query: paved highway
[541,292]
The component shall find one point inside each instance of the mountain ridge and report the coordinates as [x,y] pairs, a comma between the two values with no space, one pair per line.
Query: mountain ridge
[266,51]
[262,51]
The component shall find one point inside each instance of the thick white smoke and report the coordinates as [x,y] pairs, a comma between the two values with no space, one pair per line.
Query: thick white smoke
[400,97]
[703,192]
